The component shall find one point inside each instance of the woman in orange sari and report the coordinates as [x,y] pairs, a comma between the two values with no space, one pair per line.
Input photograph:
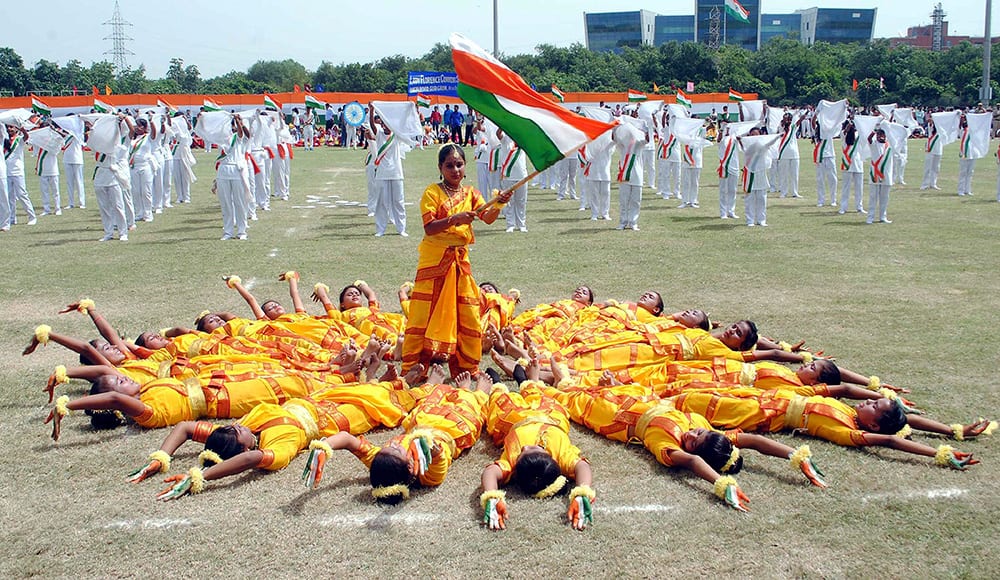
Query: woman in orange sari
[444,320]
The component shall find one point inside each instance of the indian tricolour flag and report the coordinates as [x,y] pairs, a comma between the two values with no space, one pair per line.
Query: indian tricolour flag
[210,105]
[683,99]
[558,94]
[40,107]
[636,96]
[545,130]
[314,103]
[737,11]
[102,107]
[734,96]
[170,108]
[423,100]
[271,103]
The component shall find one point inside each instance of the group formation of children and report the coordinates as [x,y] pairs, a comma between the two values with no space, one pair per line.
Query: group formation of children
[695,394]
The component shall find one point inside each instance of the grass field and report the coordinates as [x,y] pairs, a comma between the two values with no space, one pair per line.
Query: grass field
[905,301]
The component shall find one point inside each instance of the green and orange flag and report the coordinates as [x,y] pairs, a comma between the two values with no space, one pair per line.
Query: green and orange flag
[546,131]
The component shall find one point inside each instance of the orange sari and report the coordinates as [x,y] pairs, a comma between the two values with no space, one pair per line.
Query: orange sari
[444,318]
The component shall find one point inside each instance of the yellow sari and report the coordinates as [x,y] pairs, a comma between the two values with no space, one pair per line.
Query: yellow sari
[444,305]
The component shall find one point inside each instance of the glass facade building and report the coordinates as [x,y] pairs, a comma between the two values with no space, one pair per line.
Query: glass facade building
[711,25]
[673,28]
[781,25]
[837,25]
[613,31]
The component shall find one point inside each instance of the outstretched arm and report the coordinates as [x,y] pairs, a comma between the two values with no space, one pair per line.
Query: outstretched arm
[943,455]
[86,306]
[367,291]
[958,431]
[292,277]
[43,335]
[321,294]
[493,500]
[726,487]
[236,283]
[801,458]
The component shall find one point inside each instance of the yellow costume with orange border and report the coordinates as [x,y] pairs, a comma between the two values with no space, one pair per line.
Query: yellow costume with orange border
[630,413]
[776,410]
[285,430]
[517,420]
[444,304]
[452,418]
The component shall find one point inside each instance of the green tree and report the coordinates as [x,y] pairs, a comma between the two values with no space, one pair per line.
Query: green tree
[13,76]
[280,76]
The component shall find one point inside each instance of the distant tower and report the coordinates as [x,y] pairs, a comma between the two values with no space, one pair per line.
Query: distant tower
[937,28]
[714,28]
[119,54]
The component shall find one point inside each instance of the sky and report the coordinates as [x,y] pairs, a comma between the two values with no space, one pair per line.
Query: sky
[220,36]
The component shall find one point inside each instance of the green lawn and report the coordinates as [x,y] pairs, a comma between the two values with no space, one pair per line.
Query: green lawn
[903,301]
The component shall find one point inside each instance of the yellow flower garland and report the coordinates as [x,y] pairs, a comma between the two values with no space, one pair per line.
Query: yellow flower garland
[888,393]
[197,480]
[800,455]
[321,444]
[233,281]
[874,383]
[958,430]
[406,286]
[989,428]
[722,484]
[807,357]
[733,457]
[208,456]
[584,490]
[523,362]
[163,458]
[321,286]
[785,346]
[552,489]
[497,494]
[391,490]
[943,455]
[290,275]
[514,293]
[360,283]
[60,375]
[85,306]
[61,405]
[42,333]
[905,432]
[201,315]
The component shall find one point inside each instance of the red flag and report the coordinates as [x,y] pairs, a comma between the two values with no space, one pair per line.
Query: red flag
[296,88]
[854,85]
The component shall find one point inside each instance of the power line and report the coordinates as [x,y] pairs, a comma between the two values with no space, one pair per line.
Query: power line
[119,54]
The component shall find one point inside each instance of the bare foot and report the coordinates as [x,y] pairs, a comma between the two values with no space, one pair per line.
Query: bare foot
[347,354]
[505,363]
[512,346]
[390,373]
[557,372]
[484,383]
[415,375]
[606,379]
[533,370]
[372,365]
[437,375]
[463,379]
[373,346]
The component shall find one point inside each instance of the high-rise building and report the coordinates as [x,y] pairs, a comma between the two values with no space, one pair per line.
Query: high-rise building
[780,25]
[837,25]
[673,28]
[715,27]
[613,31]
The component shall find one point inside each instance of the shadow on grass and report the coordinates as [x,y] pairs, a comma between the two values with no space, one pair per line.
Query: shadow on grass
[297,507]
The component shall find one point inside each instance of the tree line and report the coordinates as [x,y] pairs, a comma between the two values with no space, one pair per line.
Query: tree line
[785,72]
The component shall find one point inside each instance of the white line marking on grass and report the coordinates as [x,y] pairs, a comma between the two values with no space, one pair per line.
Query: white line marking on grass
[948,493]
[274,251]
[359,521]
[249,284]
[303,207]
[154,524]
[624,509]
